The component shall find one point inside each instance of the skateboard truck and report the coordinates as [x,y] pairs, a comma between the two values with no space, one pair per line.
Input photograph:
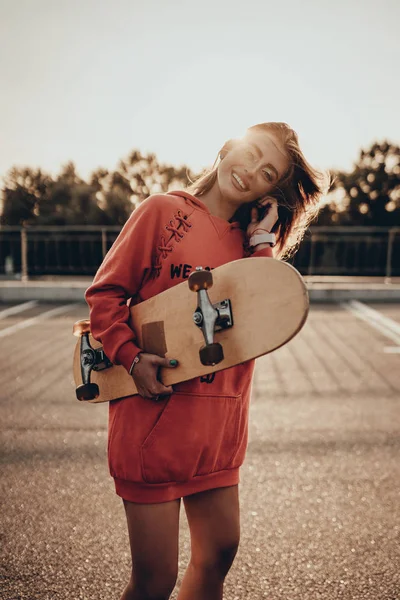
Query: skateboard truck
[209,317]
[92,359]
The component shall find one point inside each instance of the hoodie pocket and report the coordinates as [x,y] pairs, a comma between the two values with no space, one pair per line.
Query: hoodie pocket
[195,435]
[130,421]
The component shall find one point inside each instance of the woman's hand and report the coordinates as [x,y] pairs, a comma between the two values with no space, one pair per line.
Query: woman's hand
[145,373]
[270,218]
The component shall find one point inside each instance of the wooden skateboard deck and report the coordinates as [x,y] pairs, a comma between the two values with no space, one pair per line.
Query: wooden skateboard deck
[269,302]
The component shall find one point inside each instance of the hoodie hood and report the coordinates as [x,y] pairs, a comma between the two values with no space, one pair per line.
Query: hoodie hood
[221,224]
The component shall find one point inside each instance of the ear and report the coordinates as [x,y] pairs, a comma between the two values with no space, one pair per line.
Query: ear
[223,152]
[225,149]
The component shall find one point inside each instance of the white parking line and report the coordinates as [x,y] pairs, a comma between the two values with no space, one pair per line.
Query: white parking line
[34,320]
[14,310]
[386,326]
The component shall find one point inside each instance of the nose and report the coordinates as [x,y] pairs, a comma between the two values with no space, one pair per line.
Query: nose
[250,170]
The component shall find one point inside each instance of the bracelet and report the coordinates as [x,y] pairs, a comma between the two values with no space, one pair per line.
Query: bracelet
[134,362]
[261,229]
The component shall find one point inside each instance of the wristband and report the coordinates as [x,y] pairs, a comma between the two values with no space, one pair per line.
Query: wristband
[263,238]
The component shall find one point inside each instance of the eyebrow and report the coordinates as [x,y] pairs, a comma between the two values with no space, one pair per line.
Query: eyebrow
[260,155]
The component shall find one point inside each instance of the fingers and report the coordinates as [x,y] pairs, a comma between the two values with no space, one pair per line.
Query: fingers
[254,214]
[169,363]
[152,388]
[164,392]
[160,392]
[268,200]
[266,206]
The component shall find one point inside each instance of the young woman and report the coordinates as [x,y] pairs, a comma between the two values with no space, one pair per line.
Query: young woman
[189,440]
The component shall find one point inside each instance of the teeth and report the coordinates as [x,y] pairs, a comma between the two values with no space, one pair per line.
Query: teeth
[240,182]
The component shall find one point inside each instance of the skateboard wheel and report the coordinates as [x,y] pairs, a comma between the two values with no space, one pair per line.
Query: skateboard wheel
[81,327]
[87,391]
[211,354]
[200,280]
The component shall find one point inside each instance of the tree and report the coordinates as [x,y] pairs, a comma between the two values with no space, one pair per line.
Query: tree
[23,191]
[141,175]
[370,193]
[136,177]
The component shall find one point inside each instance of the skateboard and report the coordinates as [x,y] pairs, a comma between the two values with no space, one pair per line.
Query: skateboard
[212,321]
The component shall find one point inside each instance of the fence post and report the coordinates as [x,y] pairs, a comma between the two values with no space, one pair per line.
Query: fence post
[24,255]
[312,253]
[388,276]
[103,242]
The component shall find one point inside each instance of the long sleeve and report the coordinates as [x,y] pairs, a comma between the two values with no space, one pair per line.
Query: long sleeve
[120,277]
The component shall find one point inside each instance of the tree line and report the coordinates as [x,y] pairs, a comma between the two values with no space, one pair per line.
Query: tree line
[368,195]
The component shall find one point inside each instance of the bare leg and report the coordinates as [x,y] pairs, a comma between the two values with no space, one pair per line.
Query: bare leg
[154,537]
[214,523]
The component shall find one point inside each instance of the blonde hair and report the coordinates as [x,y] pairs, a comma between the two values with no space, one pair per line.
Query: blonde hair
[299,191]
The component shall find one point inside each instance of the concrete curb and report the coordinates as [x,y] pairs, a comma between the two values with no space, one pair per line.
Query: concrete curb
[45,291]
[334,294]
[73,291]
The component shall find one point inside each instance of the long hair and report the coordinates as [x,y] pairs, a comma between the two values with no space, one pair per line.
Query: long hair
[299,191]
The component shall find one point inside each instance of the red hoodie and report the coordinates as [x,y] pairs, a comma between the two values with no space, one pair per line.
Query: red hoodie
[196,438]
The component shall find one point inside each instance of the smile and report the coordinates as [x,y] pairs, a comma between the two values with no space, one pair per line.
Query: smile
[240,183]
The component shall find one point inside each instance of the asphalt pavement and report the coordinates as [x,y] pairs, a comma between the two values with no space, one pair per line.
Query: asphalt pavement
[320,487]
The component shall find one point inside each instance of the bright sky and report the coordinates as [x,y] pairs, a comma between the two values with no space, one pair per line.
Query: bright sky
[89,80]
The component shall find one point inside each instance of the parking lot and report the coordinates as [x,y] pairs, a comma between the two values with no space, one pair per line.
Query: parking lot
[320,487]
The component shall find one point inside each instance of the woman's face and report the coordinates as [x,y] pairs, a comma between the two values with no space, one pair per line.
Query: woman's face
[251,168]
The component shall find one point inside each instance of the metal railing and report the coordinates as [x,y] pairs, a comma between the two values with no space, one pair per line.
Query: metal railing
[368,251]
[41,251]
